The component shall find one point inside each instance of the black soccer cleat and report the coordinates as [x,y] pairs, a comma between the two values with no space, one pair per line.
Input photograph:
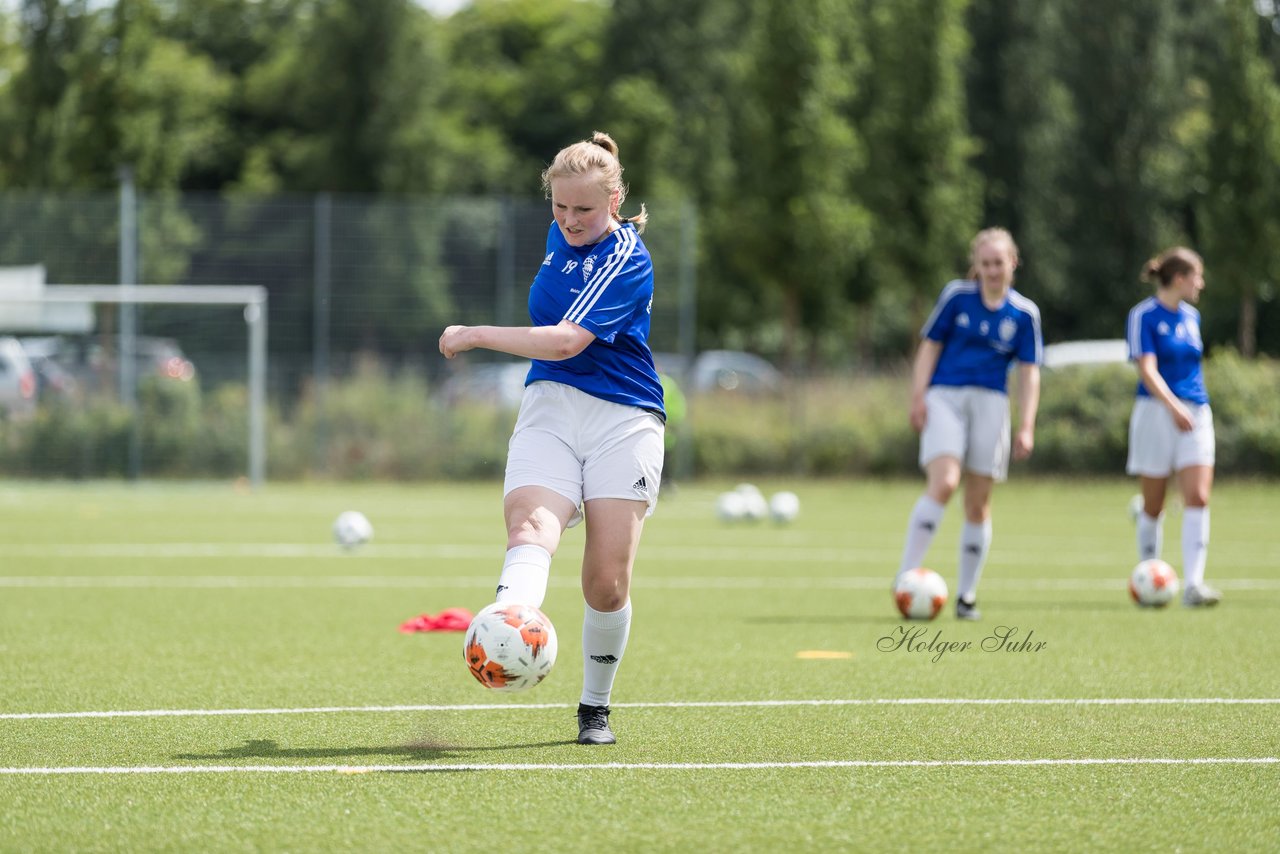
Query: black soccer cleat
[593,725]
[967,610]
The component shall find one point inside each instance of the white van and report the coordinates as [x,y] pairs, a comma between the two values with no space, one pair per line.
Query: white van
[17,379]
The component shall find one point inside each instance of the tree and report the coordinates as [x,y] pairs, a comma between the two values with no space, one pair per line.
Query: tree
[798,231]
[1240,216]
[527,76]
[1085,165]
[918,184]
[347,101]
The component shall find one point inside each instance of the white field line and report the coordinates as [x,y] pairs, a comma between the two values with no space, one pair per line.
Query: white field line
[407,582]
[692,704]
[635,766]
[783,555]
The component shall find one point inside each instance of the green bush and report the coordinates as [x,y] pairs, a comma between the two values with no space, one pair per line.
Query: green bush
[377,425]
[850,427]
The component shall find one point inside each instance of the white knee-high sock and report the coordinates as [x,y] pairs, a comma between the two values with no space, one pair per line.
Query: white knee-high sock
[1150,536]
[922,525]
[1195,544]
[524,576]
[975,543]
[604,639]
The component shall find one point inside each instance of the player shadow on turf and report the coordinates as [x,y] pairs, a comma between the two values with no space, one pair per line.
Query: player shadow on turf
[1112,604]
[265,748]
[815,619]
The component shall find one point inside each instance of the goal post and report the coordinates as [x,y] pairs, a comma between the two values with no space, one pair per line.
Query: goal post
[253,299]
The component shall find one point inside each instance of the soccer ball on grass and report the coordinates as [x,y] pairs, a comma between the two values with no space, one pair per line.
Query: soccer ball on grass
[1153,583]
[920,594]
[510,647]
[351,529]
[784,507]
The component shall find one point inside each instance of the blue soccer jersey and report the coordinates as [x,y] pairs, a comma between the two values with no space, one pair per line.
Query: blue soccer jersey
[1174,338]
[979,343]
[607,289]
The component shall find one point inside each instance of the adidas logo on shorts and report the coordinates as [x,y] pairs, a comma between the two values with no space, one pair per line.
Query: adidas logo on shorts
[640,485]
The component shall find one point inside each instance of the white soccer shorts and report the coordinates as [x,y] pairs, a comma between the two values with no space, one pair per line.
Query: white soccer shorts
[585,448]
[1157,448]
[969,423]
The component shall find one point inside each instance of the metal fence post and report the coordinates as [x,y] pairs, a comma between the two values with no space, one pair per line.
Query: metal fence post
[128,313]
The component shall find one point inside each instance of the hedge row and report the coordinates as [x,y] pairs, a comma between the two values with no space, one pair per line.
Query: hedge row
[376,425]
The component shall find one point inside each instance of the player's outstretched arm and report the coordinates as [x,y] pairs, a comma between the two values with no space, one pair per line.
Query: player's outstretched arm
[548,343]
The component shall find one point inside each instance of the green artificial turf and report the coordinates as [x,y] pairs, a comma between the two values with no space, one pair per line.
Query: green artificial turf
[769,697]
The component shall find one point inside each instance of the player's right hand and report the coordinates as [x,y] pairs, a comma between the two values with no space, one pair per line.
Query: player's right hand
[451,343]
[1182,417]
[919,414]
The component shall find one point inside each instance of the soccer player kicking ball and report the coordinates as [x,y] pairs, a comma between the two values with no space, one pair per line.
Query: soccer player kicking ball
[960,403]
[588,440]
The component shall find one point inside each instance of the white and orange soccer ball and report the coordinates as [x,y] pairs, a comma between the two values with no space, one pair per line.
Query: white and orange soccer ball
[920,593]
[510,647]
[1153,583]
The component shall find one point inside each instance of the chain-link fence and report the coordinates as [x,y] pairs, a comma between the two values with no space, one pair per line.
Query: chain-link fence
[355,283]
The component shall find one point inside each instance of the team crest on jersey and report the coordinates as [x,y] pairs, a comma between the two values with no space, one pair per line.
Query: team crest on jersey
[962,320]
[1162,328]
[546,262]
[588,266]
[1008,328]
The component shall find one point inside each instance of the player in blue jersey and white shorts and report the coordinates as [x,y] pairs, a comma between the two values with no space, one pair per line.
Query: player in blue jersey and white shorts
[960,403]
[588,442]
[1171,428]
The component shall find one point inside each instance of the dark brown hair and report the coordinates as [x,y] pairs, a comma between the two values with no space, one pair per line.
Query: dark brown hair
[1170,263]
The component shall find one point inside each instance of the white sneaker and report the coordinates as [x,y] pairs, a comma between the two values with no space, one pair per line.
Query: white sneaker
[1200,595]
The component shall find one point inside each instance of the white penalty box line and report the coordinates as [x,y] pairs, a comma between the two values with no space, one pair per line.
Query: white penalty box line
[642,766]
[1264,558]
[408,582]
[676,704]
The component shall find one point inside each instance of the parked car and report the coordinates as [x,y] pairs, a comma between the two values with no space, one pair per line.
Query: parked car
[17,379]
[498,384]
[721,371]
[53,378]
[502,383]
[69,363]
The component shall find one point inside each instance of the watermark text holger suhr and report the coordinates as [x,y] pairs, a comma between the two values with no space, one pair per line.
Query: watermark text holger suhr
[916,639]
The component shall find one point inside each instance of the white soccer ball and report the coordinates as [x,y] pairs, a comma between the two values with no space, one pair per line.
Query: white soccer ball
[784,507]
[1153,583]
[754,505]
[510,647]
[731,506]
[920,593]
[351,529]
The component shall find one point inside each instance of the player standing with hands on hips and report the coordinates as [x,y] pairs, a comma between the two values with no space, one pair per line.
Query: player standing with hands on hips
[588,440]
[1171,427]
[960,403]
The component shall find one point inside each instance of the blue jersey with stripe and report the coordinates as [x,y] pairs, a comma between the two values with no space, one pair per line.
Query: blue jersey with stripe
[607,289]
[1174,338]
[978,343]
